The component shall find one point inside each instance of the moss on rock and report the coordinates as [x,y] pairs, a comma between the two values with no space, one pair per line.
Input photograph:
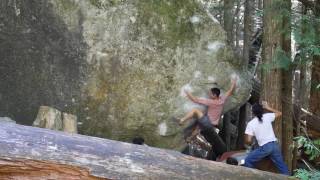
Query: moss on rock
[169,20]
[103,4]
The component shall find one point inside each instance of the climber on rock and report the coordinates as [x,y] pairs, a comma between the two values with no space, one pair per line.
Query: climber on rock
[208,122]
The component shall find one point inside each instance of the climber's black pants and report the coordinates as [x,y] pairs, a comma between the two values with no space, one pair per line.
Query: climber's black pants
[209,132]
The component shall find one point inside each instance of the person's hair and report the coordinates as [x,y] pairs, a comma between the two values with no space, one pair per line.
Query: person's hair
[257,110]
[215,91]
[138,140]
[232,161]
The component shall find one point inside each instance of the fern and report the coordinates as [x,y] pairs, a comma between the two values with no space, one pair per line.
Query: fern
[307,175]
[311,148]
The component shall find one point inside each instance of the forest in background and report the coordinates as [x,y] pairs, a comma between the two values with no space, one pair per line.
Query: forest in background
[279,42]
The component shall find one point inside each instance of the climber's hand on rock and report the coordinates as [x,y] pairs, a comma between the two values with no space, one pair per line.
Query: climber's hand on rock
[233,80]
[180,122]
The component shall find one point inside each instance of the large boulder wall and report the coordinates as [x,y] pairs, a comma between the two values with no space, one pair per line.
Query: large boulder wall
[121,66]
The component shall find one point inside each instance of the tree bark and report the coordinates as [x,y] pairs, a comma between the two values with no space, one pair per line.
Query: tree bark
[260,4]
[238,29]
[296,115]
[287,121]
[36,153]
[315,76]
[287,78]
[226,129]
[272,77]
[242,126]
[247,31]
[304,88]
[313,124]
[228,21]
[315,93]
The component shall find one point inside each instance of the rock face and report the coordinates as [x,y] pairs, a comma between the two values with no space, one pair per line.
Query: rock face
[119,66]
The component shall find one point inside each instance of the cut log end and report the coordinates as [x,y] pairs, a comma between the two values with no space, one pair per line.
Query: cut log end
[30,169]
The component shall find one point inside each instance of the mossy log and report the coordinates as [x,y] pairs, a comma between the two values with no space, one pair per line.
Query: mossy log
[36,153]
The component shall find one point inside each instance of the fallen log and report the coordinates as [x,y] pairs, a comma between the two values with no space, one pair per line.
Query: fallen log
[36,153]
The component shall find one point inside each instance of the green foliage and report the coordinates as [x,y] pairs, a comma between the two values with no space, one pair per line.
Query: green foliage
[302,174]
[304,31]
[259,13]
[311,148]
[281,18]
[307,175]
[305,35]
[280,60]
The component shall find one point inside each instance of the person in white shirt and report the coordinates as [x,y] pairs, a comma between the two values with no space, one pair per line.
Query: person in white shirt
[261,127]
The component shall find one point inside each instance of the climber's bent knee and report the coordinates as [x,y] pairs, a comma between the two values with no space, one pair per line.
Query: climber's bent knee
[197,113]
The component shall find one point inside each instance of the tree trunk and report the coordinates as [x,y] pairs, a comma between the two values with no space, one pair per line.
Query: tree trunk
[272,77]
[247,31]
[36,153]
[303,65]
[242,126]
[238,20]
[226,129]
[305,86]
[287,77]
[314,92]
[287,114]
[228,21]
[260,4]
[296,115]
[315,76]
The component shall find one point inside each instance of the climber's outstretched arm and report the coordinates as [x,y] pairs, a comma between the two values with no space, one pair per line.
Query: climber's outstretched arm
[191,97]
[197,100]
[232,88]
